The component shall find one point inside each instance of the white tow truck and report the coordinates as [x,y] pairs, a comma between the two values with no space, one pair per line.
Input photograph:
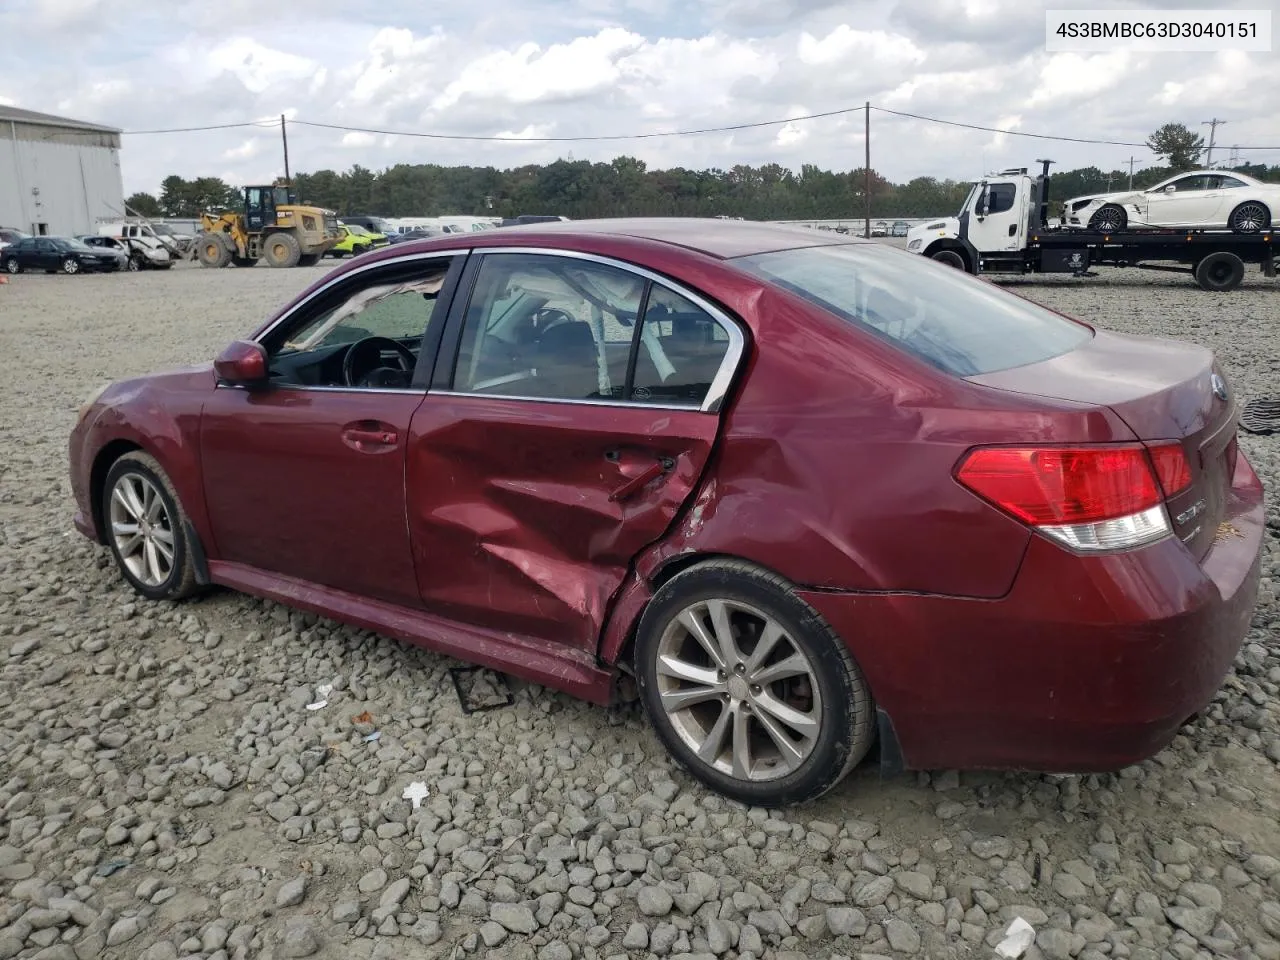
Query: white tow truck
[1004,227]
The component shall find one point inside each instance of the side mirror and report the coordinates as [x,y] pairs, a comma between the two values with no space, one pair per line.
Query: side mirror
[242,364]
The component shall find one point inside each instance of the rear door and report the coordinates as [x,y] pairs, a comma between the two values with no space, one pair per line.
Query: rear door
[574,423]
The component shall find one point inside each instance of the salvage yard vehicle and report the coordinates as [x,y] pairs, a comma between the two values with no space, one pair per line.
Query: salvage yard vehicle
[10,235]
[899,228]
[272,224]
[60,255]
[354,240]
[1203,199]
[800,493]
[143,253]
[1003,227]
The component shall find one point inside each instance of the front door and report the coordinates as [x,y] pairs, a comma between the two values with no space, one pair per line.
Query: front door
[1186,202]
[998,216]
[255,208]
[563,440]
[305,478]
[48,257]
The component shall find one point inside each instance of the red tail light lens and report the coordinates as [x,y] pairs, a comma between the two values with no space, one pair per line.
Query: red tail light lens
[1171,467]
[1063,485]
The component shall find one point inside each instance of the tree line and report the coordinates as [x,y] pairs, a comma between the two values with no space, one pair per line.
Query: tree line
[626,186]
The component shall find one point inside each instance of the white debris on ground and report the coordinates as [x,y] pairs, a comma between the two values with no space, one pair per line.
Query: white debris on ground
[164,793]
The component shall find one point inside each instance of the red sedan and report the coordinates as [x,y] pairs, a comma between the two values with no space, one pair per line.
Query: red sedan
[808,493]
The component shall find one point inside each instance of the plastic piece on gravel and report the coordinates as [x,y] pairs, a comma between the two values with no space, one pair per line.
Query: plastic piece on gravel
[322,697]
[415,793]
[1017,939]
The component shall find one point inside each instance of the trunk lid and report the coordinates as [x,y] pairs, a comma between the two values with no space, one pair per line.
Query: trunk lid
[1163,390]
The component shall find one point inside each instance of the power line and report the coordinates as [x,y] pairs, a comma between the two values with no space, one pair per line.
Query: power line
[583,139]
[1023,133]
[215,126]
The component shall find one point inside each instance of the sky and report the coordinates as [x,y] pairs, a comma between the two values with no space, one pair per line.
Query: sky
[573,68]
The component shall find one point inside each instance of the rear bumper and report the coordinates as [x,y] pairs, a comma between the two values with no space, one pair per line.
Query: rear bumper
[1088,664]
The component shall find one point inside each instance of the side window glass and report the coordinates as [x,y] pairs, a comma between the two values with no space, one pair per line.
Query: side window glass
[681,349]
[548,327]
[1000,197]
[1226,183]
[369,338]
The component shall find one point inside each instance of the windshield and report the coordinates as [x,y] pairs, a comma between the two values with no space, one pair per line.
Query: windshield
[938,314]
[358,230]
[72,244]
[972,190]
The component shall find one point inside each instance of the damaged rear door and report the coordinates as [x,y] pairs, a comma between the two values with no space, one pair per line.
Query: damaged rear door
[574,422]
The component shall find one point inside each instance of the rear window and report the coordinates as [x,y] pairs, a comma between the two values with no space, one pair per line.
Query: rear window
[938,314]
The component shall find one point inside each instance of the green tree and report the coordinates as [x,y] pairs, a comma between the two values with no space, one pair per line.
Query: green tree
[1178,146]
[144,205]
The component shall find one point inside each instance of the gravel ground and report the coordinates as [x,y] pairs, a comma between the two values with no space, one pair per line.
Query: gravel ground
[166,793]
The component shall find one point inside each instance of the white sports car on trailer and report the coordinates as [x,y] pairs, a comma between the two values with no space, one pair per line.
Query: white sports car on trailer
[1201,199]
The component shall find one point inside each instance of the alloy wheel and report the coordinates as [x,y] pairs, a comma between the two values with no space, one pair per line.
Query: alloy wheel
[70,265]
[1249,218]
[142,529]
[738,691]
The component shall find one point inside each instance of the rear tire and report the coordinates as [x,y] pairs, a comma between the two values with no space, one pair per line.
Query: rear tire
[12,265]
[1219,272]
[721,714]
[282,250]
[147,529]
[1109,219]
[212,250]
[950,258]
[1251,216]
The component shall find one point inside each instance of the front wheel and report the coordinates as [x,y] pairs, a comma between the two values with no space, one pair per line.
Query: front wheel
[146,528]
[1110,218]
[282,250]
[134,265]
[70,265]
[949,258]
[748,687]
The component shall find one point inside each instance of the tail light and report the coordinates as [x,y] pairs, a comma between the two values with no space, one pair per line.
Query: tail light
[1088,498]
[1171,467]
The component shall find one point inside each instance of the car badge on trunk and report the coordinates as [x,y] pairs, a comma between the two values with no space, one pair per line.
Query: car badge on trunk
[1219,386]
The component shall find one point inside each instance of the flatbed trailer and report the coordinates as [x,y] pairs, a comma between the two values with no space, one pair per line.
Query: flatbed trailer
[1002,229]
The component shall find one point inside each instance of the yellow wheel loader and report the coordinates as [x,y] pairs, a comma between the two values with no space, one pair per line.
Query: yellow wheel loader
[272,225]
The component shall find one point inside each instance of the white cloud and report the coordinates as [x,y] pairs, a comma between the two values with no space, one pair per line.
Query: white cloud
[538,68]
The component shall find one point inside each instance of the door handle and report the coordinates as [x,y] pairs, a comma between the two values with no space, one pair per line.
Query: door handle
[1013,228]
[638,482]
[370,436]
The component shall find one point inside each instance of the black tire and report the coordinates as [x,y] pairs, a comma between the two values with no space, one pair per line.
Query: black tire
[950,258]
[846,728]
[244,261]
[13,265]
[212,250]
[308,259]
[281,249]
[1252,216]
[70,266]
[1109,218]
[134,264]
[181,579]
[1220,272]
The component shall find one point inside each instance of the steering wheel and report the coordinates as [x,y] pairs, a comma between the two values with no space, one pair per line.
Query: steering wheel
[365,356]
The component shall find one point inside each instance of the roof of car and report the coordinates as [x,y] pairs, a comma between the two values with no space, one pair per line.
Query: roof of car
[717,238]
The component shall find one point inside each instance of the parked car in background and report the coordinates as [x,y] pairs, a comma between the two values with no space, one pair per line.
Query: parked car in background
[1202,199]
[376,225]
[65,254]
[418,233]
[354,241]
[530,218]
[9,235]
[899,228]
[144,253]
[595,478]
[880,229]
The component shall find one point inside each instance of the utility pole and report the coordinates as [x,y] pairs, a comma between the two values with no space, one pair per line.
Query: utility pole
[866,190]
[1233,160]
[284,138]
[1110,177]
[1213,129]
[1131,159]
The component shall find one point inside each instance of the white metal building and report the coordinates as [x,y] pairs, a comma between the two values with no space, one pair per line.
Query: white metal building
[57,176]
